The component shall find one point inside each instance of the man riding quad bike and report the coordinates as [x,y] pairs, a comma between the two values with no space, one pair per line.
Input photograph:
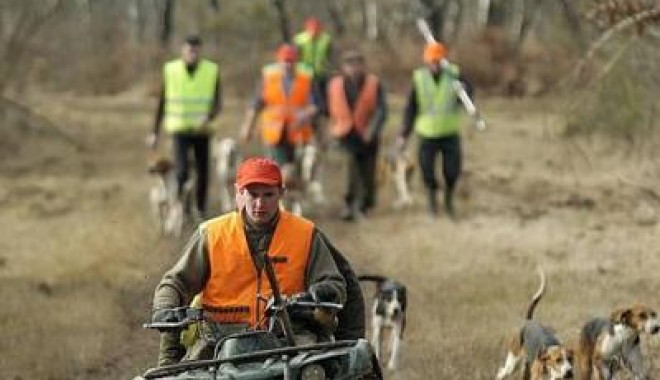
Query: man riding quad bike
[270,289]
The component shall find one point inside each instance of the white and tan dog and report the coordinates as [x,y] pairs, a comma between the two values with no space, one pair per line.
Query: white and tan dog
[388,312]
[609,343]
[166,207]
[543,354]
[311,174]
[398,168]
[227,159]
[302,181]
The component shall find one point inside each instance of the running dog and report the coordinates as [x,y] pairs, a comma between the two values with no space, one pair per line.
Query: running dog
[227,159]
[607,344]
[166,207]
[544,355]
[388,312]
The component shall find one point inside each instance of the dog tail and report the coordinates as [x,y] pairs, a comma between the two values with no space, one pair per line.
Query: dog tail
[372,278]
[537,297]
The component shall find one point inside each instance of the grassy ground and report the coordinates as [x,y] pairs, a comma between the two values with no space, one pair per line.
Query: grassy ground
[79,257]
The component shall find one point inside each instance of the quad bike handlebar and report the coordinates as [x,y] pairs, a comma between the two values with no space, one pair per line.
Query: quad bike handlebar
[174,319]
[181,317]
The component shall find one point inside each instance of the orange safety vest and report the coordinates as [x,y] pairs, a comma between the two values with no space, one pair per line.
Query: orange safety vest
[280,108]
[231,292]
[343,118]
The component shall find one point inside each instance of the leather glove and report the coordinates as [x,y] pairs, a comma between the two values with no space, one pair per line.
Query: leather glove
[318,318]
[321,293]
[301,313]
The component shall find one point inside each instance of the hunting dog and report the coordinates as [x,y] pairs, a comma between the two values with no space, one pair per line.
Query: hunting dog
[301,179]
[398,168]
[227,159]
[607,344]
[311,173]
[166,206]
[388,312]
[544,355]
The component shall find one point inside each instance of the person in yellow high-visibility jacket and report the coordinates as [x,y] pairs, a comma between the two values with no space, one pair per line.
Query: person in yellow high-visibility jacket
[190,99]
[315,50]
[433,111]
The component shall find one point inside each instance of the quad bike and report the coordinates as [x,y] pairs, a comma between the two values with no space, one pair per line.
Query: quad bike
[271,353]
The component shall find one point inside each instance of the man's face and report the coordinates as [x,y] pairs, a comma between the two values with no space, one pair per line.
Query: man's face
[261,202]
[353,68]
[190,53]
[434,66]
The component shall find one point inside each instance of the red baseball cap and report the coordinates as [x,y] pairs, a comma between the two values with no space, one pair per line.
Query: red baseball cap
[287,53]
[258,170]
[313,25]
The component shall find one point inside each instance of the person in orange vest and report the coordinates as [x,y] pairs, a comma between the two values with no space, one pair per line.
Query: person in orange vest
[285,104]
[224,261]
[358,111]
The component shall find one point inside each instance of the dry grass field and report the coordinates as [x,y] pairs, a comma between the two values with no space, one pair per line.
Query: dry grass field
[79,257]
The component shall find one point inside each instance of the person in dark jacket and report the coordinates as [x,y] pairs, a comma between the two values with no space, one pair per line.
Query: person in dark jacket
[358,111]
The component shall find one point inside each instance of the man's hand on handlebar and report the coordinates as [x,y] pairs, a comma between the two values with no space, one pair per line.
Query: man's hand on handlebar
[173,319]
[309,307]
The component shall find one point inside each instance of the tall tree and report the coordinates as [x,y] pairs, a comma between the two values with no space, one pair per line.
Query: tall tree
[165,10]
[283,19]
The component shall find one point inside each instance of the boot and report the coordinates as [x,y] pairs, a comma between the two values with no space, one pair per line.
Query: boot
[347,214]
[449,203]
[432,202]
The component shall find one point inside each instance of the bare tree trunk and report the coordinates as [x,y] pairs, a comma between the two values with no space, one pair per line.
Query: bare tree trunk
[531,15]
[497,12]
[517,19]
[453,19]
[573,20]
[335,14]
[165,11]
[371,12]
[435,16]
[140,20]
[283,18]
[483,9]
[30,20]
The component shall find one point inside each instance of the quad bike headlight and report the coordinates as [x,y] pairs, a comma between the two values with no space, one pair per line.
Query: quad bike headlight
[312,372]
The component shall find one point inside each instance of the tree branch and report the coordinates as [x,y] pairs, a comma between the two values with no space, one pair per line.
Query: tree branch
[620,26]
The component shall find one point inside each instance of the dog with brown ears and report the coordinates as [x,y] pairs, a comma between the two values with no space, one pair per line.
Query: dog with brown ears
[609,344]
[543,354]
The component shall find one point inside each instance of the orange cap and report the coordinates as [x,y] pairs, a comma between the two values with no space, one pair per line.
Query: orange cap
[434,52]
[287,53]
[258,170]
[313,25]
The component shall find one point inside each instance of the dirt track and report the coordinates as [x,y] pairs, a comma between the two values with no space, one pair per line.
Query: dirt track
[79,259]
